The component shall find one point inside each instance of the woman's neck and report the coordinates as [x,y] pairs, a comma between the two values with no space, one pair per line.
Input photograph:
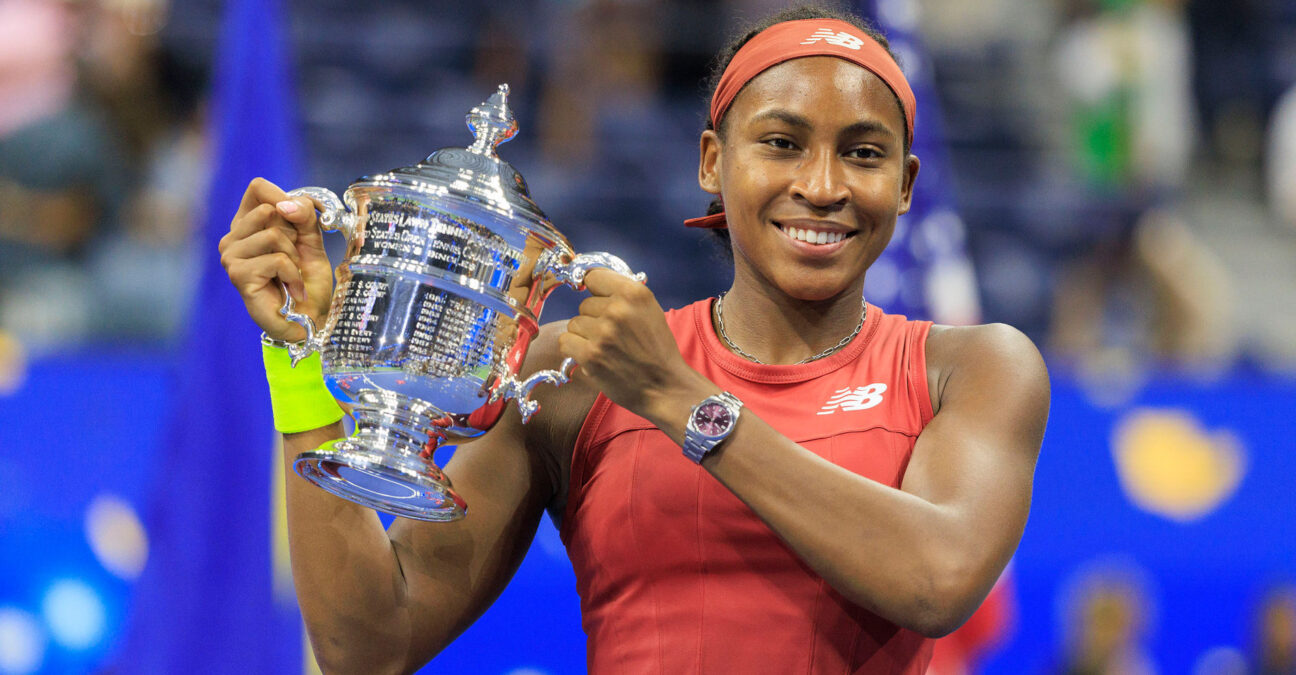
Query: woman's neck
[775,328]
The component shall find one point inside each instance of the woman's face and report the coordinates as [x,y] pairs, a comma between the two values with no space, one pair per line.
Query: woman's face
[813,152]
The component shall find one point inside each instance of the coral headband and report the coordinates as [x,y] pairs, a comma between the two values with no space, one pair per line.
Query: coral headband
[796,39]
[810,37]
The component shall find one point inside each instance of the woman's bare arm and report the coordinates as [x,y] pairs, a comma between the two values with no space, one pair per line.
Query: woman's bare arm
[379,601]
[387,601]
[923,556]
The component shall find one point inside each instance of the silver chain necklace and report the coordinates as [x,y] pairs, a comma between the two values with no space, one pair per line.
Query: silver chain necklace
[719,308]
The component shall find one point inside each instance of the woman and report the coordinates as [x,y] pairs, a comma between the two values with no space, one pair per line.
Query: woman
[851,484]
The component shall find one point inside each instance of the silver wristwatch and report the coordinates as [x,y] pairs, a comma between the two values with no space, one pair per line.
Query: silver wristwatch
[709,424]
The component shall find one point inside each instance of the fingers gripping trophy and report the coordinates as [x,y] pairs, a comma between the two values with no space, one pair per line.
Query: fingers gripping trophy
[447,267]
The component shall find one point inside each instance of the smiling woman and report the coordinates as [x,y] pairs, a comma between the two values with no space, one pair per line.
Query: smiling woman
[785,465]
[801,163]
[848,500]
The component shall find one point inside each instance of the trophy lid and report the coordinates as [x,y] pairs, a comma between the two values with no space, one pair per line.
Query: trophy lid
[475,176]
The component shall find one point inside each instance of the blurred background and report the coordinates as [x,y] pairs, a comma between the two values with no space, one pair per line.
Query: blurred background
[1116,178]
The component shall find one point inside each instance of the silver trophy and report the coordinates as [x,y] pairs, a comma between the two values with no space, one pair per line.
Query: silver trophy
[447,267]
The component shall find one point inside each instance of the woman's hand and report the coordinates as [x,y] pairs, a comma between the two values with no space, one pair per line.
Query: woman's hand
[622,343]
[271,239]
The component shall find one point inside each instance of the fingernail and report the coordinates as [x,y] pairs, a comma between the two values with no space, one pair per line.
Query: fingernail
[287,207]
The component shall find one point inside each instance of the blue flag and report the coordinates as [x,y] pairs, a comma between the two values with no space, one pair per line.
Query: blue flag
[206,601]
[926,272]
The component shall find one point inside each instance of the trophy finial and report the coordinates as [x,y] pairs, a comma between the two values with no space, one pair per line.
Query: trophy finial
[492,122]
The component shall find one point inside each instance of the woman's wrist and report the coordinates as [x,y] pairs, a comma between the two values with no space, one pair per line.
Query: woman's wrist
[298,397]
[669,409]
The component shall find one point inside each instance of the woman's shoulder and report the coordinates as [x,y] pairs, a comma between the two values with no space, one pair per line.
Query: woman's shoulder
[978,352]
[995,338]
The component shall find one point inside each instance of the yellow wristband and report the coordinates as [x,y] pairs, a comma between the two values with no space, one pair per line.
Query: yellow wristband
[298,397]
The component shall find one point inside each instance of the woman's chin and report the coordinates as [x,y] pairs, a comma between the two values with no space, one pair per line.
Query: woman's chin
[817,292]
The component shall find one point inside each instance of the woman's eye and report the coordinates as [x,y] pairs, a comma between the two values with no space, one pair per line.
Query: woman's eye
[864,153]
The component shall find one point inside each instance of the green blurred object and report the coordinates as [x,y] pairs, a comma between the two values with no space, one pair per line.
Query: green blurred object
[1103,139]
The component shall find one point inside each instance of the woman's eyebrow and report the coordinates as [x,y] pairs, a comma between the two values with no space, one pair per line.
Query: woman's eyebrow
[789,118]
[865,127]
[860,128]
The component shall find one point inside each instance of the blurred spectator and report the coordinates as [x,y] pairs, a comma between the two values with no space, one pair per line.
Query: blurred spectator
[1107,615]
[1127,66]
[1142,282]
[143,269]
[610,61]
[1275,649]
[62,175]
[102,164]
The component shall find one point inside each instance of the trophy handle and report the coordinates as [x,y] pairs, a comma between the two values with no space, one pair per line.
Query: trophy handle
[334,216]
[520,392]
[312,343]
[572,270]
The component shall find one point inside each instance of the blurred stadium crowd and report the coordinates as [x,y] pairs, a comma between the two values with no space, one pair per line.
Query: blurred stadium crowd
[1125,169]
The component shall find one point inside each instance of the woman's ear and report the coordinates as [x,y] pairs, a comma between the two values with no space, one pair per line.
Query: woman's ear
[709,162]
[906,188]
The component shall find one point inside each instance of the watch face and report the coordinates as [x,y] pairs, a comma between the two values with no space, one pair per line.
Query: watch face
[712,419]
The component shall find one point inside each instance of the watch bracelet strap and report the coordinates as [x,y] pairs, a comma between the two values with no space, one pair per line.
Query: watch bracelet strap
[693,448]
[731,398]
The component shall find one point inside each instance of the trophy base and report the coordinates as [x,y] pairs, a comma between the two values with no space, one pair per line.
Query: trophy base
[407,486]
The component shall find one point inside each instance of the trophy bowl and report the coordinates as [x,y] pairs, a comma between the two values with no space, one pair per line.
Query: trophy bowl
[447,267]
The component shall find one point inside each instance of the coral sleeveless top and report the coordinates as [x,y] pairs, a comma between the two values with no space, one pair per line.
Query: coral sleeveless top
[676,575]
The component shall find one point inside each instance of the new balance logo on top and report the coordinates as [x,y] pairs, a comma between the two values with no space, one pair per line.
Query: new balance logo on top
[859,398]
[840,39]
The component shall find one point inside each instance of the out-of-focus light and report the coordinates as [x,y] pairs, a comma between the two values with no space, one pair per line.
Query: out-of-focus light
[902,14]
[116,536]
[951,292]
[22,642]
[1171,465]
[883,283]
[1224,660]
[74,614]
[13,364]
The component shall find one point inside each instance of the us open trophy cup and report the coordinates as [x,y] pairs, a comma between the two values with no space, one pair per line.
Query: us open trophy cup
[448,264]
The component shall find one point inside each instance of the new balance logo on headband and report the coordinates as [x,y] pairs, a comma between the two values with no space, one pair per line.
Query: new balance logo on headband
[833,38]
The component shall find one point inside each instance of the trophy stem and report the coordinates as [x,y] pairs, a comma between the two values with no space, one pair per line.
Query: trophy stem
[387,463]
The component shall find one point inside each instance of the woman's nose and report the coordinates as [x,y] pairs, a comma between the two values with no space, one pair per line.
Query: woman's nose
[821,181]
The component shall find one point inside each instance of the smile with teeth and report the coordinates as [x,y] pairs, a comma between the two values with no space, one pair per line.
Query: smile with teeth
[813,236]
